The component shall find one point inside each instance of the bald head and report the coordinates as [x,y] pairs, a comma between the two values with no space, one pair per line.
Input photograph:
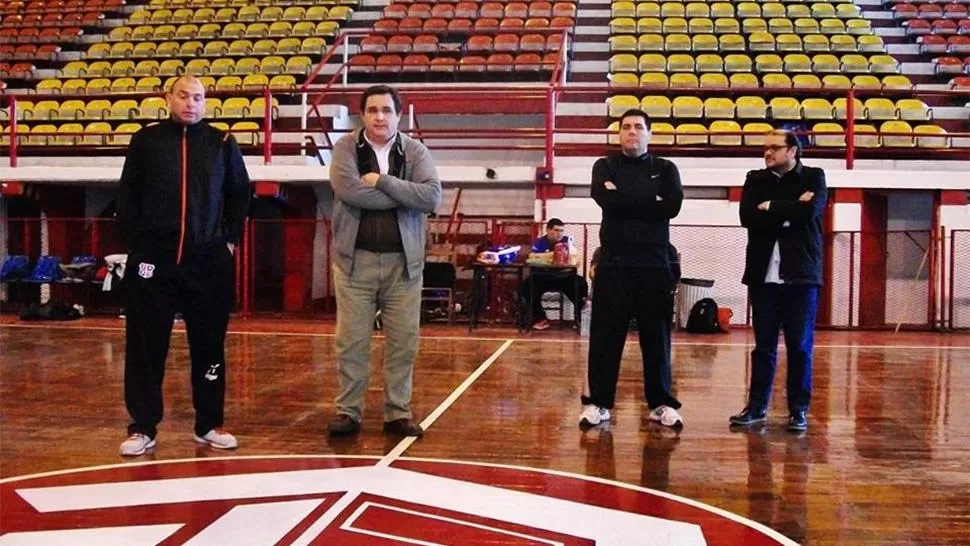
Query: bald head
[186,100]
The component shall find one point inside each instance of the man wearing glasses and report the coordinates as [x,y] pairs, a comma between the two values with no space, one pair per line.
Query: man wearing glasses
[782,206]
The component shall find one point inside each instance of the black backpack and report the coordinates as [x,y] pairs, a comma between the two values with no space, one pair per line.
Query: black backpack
[703,318]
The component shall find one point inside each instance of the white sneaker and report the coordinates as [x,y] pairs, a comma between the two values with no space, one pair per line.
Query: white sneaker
[136,444]
[666,416]
[593,415]
[218,439]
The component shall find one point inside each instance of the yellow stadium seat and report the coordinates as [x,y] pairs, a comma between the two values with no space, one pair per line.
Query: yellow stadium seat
[144,49]
[796,11]
[98,51]
[761,41]
[940,140]
[170,67]
[684,80]
[152,108]
[624,79]
[748,10]
[146,68]
[4,135]
[687,107]
[830,26]
[789,43]
[883,64]
[185,32]
[691,134]
[97,109]
[806,81]
[754,133]
[198,67]
[161,16]
[841,111]
[247,13]
[183,15]
[210,31]
[207,81]
[858,26]
[99,69]
[123,109]
[847,10]
[222,67]
[725,126]
[221,125]
[726,25]
[648,25]
[865,81]
[255,81]
[257,30]
[648,9]
[224,15]
[651,62]
[337,13]
[76,69]
[648,42]
[282,81]
[674,25]
[282,29]
[140,17]
[217,48]
[97,134]
[731,42]
[164,32]
[121,50]
[768,62]
[317,13]
[742,80]
[247,65]
[751,108]
[98,86]
[257,108]
[866,137]
[825,63]
[618,104]
[272,65]
[913,110]
[613,137]
[294,14]
[662,134]
[325,28]
[623,43]
[672,9]
[704,42]
[709,62]
[123,85]
[203,15]
[234,30]
[714,80]
[298,65]
[817,108]
[40,135]
[779,25]
[855,64]
[737,62]
[229,83]
[313,46]
[881,109]
[896,82]
[797,62]
[696,10]
[288,46]
[897,141]
[828,140]
[63,139]
[623,9]
[722,9]
[148,84]
[843,43]
[677,42]
[271,13]
[70,109]
[656,106]
[654,79]
[235,107]
[49,86]
[836,81]
[700,25]
[213,107]
[190,48]
[719,108]
[785,108]
[119,34]
[241,47]
[871,44]
[776,81]
[814,43]
[246,133]
[680,63]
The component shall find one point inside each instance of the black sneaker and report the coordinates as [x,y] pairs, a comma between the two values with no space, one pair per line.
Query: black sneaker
[798,421]
[749,416]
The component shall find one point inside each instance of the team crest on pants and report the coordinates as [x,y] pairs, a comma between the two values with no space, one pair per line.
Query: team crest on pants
[146,271]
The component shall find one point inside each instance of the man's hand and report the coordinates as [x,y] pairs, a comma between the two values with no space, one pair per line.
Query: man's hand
[806,197]
[609,185]
[370,179]
[231,247]
[764,205]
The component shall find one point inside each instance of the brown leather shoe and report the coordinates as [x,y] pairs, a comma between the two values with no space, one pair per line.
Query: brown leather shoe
[342,425]
[403,427]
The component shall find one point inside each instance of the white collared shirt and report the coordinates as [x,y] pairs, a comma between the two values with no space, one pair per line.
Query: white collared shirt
[383,153]
[774,264]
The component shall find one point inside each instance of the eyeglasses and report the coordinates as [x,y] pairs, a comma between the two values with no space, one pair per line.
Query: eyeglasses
[775,147]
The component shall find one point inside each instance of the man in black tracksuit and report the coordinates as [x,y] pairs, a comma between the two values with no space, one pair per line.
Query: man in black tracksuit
[639,194]
[183,198]
[782,207]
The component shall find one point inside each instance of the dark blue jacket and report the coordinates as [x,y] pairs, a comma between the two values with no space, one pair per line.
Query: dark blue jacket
[800,243]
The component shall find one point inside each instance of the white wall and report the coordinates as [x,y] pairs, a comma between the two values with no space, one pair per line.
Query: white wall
[957,217]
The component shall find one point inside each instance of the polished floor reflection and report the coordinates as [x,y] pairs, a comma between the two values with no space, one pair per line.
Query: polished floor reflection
[886,459]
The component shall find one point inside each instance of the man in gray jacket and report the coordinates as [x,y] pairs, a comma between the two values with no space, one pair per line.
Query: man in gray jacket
[385,185]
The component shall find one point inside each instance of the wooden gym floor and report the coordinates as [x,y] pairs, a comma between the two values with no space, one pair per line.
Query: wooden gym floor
[886,459]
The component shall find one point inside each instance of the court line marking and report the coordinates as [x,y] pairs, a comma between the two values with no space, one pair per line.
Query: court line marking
[404,444]
[771,533]
[523,339]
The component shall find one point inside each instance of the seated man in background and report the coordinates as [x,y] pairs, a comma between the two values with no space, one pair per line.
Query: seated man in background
[539,282]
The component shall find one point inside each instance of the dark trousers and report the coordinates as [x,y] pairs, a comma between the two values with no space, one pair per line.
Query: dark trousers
[790,307]
[539,282]
[201,289]
[619,294]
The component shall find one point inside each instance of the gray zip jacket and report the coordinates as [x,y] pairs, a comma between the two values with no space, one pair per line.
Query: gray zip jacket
[415,195]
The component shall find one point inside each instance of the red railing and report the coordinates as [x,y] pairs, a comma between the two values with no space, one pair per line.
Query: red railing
[284,266]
